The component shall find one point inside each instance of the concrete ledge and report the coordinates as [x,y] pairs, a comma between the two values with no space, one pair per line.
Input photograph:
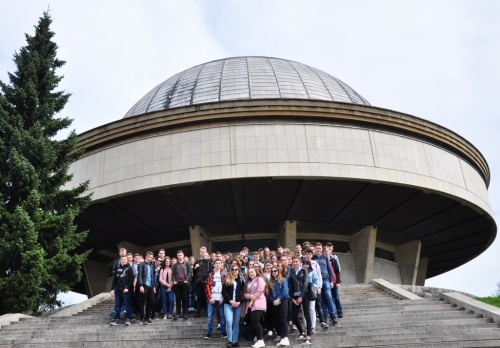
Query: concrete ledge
[395,290]
[6,319]
[472,304]
[80,307]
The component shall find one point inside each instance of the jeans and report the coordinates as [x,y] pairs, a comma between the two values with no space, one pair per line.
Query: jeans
[191,300]
[201,296]
[279,316]
[232,316]
[327,301]
[210,317]
[146,298]
[181,290]
[336,300]
[122,298]
[167,300]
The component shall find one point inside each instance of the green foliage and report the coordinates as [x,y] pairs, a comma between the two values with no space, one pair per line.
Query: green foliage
[492,300]
[38,237]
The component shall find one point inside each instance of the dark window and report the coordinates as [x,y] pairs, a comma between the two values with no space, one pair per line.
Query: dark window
[235,246]
[384,254]
[338,247]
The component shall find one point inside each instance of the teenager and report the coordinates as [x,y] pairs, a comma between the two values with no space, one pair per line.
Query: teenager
[279,298]
[298,282]
[145,280]
[202,268]
[314,280]
[213,290]
[255,294]
[180,275]
[232,293]
[191,291]
[166,284]
[121,287]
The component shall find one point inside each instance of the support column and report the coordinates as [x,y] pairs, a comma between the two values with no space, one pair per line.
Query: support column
[363,244]
[288,238]
[96,275]
[408,256]
[422,271]
[198,239]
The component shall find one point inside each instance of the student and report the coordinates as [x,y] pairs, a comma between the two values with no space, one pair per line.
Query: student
[191,291]
[202,268]
[232,293]
[298,281]
[279,298]
[121,287]
[180,275]
[313,279]
[145,280]
[327,276]
[255,294]
[213,290]
[166,284]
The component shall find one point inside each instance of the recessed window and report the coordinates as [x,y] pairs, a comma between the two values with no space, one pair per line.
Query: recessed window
[384,254]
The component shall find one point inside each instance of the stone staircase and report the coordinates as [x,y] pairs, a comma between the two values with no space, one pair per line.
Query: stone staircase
[372,318]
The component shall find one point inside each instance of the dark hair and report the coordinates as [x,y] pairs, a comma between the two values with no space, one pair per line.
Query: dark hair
[180,251]
[318,243]
[309,251]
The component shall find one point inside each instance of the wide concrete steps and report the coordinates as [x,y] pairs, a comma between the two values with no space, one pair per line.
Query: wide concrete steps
[372,318]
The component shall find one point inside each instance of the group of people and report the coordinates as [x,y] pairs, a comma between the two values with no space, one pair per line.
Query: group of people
[266,289]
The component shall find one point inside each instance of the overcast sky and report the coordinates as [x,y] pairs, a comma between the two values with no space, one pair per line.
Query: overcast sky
[438,60]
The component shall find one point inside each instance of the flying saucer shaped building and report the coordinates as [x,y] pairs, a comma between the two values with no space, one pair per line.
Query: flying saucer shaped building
[262,151]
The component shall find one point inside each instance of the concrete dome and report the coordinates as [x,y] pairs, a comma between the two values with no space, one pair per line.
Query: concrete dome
[245,78]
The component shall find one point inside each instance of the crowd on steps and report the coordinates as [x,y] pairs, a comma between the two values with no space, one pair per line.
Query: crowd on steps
[265,290]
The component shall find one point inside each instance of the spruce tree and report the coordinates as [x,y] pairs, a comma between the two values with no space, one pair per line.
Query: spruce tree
[38,236]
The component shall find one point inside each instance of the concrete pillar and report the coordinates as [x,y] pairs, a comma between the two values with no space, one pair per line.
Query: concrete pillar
[198,239]
[363,244]
[288,238]
[422,271]
[96,275]
[407,256]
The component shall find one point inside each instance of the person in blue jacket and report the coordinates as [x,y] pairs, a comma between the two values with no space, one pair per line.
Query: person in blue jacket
[279,296]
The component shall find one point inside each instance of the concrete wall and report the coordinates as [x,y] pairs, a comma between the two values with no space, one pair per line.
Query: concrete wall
[277,150]
[388,270]
[348,264]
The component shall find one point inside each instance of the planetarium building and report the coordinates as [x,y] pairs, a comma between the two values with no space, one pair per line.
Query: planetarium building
[262,151]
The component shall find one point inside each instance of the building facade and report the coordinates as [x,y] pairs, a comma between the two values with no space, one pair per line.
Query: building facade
[263,151]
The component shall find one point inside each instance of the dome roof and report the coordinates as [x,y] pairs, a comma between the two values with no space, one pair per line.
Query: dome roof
[245,78]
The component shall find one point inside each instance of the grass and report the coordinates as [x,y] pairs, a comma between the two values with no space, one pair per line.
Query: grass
[494,301]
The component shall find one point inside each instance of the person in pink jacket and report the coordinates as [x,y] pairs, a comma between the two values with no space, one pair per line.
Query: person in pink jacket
[166,293]
[255,294]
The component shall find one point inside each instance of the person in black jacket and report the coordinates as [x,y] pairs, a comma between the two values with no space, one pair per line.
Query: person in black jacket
[121,287]
[298,281]
[202,268]
[232,293]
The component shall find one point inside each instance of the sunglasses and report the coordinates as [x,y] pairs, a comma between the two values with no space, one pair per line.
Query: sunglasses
[274,270]
[235,269]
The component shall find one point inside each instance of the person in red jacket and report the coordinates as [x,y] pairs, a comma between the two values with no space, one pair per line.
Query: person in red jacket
[215,301]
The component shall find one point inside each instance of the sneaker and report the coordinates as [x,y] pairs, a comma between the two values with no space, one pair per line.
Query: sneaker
[169,316]
[208,336]
[150,321]
[218,326]
[115,322]
[185,316]
[278,338]
[143,322]
[301,337]
[224,335]
[284,342]
[306,342]
[334,322]
[127,322]
[270,333]
[255,339]
[340,315]
[229,345]
[325,325]
[294,327]
[165,317]
[313,330]
[235,344]
[259,344]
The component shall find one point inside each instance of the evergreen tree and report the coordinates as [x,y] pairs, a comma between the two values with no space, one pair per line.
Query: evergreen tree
[37,232]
